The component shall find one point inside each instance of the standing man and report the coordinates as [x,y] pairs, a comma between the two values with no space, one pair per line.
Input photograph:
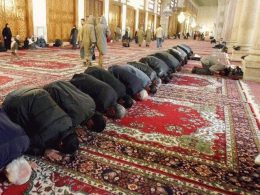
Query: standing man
[102,32]
[73,37]
[140,35]
[159,33]
[89,38]
[80,38]
[118,33]
[7,35]
[148,36]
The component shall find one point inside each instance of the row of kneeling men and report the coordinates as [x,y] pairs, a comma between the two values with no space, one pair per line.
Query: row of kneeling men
[43,121]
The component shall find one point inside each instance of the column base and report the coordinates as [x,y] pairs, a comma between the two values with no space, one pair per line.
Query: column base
[251,68]
[236,55]
[230,45]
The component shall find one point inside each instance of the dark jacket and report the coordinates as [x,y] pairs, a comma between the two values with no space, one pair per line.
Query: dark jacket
[131,81]
[78,105]
[73,36]
[145,69]
[13,140]
[7,32]
[171,61]
[183,53]
[186,50]
[175,53]
[159,66]
[42,119]
[103,94]
[108,78]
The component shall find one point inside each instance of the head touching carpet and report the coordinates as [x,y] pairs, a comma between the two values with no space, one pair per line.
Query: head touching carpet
[196,135]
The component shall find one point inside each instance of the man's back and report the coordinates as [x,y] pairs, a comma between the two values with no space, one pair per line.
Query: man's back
[159,32]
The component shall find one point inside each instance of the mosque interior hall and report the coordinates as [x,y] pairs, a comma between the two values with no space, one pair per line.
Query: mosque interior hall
[129,97]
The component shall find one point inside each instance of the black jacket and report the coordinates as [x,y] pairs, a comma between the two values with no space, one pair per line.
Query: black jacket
[171,61]
[103,94]
[42,119]
[131,81]
[175,53]
[186,50]
[145,68]
[7,32]
[78,105]
[183,53]
[13,140]
[159,66]
[108,78]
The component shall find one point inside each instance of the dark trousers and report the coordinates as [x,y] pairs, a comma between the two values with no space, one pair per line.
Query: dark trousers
[7,43]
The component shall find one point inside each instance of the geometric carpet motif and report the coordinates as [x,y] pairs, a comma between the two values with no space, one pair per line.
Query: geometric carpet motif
[197,135]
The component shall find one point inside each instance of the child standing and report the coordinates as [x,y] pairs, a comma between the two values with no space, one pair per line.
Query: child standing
[14,48]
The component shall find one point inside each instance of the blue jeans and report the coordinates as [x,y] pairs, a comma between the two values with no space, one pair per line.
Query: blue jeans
[159,42]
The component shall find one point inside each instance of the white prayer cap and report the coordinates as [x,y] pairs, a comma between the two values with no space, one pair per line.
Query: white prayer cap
[18,171]
[143,94]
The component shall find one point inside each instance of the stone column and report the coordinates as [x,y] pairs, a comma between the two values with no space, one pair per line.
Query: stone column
[229,20]
[220,19]
[230,23]
[247,25]
[146,14]
[251,64]
[40,18]
[123,18]
[234,31]
[165,18]
[136,19]
[155,16]
[106,9]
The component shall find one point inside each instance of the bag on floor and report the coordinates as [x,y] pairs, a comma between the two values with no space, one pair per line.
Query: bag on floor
[58,43]
[125,43]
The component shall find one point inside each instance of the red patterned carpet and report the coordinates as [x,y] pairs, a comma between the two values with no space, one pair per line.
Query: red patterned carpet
[197,135]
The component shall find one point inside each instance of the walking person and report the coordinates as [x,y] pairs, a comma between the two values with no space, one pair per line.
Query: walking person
[140,36]
[14,48]
[159,33]
[148,36]
[118,33]
[73,37]
[102,32]
[7,35]
[80,38]
[89,39]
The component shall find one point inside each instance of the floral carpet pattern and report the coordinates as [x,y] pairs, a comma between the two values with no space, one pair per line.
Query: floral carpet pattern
[197,135]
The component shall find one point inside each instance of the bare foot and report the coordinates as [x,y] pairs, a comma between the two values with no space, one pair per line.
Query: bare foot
[81,132]
[33,165]
[53,155]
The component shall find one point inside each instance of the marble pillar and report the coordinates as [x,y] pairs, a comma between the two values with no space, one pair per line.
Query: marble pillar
[247,26]
[220,19]
[251,64]
[164,20]
[136,19]
[229,20]
[234,31]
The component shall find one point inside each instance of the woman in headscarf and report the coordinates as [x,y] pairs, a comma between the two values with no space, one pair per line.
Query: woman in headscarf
[7,34]
[73,37]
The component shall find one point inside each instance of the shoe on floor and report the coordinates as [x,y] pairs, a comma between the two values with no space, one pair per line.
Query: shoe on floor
[257,160]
